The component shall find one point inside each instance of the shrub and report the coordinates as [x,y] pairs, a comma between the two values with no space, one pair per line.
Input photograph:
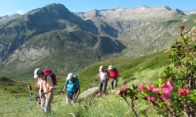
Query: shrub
[174,92]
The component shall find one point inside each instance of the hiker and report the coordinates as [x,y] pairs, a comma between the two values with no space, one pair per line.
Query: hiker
[103,75]
[72,86]
[114,76]
[45,85]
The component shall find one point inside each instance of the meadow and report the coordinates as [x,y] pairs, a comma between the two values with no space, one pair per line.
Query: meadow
[14,101]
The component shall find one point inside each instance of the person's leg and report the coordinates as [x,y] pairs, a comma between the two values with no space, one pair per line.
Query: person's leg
[105,87]
[100,88]
[48,102]
[68,100]
[74,97]
[43,100]
[112,83]
[116,82]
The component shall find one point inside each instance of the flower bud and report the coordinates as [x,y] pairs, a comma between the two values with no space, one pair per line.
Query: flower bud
[181,26]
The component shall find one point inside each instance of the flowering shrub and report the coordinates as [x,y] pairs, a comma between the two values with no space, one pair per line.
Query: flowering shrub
[125,93]
[174,92]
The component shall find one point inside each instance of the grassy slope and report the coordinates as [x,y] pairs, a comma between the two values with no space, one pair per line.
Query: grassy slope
[142,69]
[129,69]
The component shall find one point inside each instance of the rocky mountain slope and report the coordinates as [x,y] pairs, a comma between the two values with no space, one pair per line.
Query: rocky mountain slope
[53,37]
[143,30]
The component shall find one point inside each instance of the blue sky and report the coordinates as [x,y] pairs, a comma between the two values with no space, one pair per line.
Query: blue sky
[8,7]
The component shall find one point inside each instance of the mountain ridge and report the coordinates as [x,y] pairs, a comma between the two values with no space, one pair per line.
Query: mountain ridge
[53,37]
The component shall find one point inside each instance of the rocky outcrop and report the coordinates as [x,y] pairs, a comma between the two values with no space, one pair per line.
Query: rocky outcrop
[88,93]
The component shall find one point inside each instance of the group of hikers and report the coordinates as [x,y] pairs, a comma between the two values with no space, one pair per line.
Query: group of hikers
[47,81]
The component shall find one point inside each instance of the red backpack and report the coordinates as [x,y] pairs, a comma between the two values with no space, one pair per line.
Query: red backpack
[113,73]
[52,75]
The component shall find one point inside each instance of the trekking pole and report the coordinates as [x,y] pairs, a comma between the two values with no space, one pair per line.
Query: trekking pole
[30,95]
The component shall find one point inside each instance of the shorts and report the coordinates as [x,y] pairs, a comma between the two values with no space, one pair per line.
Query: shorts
[103,84]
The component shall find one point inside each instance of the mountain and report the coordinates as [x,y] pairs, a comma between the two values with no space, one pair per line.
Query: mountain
[51,37]
[143,30]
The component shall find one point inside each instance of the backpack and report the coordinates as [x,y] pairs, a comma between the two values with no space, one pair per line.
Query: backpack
[71,86]
[52,75]
[113,73]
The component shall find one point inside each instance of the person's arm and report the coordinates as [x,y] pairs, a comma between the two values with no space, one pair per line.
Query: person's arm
[78,92]
[33,86]
[50,83]
[50,89]
[97,77]
[107,76]
[65,87]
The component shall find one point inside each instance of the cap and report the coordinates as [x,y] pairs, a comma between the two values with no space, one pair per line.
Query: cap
[37,72]
[110,67]
[100,68]
[70,76]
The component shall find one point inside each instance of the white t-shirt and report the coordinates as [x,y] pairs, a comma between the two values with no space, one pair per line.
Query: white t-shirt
[102,75]
[45,85]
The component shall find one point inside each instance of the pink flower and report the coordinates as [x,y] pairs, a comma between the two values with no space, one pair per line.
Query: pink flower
[151,98]
[124,88]
[167,90]
[117,92]
[166,96]
[169,85]
[142,88]
[154,90]
[151,87]
[183,92]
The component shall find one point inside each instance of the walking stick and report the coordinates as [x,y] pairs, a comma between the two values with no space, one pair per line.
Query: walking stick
[30,95]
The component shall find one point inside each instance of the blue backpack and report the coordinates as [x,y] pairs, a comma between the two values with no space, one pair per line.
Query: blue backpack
[72,85]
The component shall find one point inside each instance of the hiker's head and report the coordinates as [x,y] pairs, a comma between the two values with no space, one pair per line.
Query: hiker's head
[38,73]
[101,68]
[70,76]
[110,67]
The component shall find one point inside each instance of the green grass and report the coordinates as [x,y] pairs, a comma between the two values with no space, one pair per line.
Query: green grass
[92,107]
[132,71]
